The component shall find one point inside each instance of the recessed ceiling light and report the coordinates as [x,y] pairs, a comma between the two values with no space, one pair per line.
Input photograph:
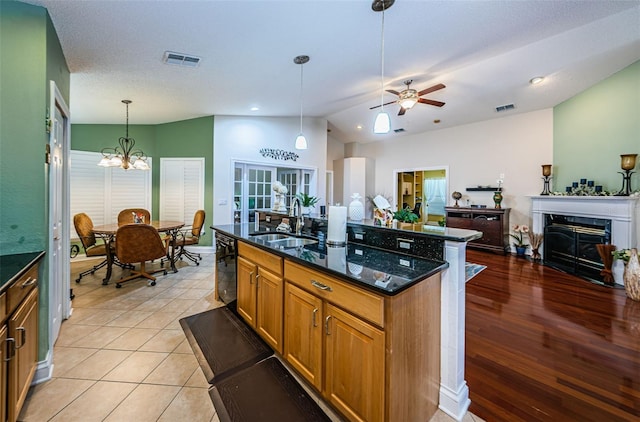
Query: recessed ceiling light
[359,127]
[536,80]
[255,108]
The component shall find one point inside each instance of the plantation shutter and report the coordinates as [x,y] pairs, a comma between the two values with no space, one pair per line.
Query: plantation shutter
[181,188]
[102,192]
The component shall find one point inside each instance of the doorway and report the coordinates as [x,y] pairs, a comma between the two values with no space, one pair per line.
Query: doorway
[423,191]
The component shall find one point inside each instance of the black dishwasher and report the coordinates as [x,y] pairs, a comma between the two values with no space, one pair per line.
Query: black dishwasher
[226,269]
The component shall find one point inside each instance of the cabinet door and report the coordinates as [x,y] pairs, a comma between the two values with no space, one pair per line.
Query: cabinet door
[270,308]
[23,327]
[303,333]
[355,368]
[246,276]
[3,373]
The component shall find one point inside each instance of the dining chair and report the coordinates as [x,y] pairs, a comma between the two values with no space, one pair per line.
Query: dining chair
[126,216]
[84,227]
[190,237]
[139,243]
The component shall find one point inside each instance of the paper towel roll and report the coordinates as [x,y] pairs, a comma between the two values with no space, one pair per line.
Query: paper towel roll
[337,227]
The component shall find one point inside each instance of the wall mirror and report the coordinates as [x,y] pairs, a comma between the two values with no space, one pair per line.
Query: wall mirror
[423,191]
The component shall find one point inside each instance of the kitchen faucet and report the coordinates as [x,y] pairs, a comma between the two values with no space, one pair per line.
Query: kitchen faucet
[300,219]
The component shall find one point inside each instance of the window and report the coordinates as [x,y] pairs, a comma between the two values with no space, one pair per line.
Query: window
[181,188]
[102,192]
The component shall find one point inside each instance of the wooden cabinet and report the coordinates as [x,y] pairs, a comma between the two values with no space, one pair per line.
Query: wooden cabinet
[19,341]
[373,357]
[261,293]
[492,222]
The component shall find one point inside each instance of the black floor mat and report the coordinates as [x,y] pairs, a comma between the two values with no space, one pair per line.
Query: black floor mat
[264,392]
[222,343]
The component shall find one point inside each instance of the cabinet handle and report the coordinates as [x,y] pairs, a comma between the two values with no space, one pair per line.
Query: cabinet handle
[23,335]
[257,277]
[11,349]
[251,277]
[326,325]
[321,286]
[29,282]
[315,312]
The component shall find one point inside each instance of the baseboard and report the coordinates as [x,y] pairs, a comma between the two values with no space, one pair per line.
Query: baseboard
[44,370]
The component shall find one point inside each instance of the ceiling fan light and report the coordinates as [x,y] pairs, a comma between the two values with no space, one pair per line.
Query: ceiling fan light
[407,103]
[301,142]
[382,123]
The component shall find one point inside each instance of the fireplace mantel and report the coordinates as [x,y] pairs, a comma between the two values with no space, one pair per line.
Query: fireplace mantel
[623,211]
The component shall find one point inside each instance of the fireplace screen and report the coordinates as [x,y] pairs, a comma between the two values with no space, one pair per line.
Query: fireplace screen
[570,244]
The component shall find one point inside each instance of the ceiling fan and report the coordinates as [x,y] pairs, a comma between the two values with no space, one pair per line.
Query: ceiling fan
[408,97]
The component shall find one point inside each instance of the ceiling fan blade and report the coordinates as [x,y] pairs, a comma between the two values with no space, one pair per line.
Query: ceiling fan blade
[390,102]
[430,102]
[431,89]
[393,92]
[402,111]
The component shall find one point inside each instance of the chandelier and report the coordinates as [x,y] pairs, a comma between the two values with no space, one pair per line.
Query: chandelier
[124,155]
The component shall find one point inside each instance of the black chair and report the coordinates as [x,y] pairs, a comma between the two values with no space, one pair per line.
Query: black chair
[417,209]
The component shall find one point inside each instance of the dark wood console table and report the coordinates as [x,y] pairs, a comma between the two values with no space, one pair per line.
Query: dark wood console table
[492,222]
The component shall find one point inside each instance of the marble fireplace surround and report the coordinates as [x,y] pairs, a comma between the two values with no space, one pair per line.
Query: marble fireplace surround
[623,211]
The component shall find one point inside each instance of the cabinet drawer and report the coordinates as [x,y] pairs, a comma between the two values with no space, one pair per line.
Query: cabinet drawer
[262,258]
[357,301]
[21,288]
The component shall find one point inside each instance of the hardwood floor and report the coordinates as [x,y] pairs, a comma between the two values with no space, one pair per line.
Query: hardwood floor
[542,345]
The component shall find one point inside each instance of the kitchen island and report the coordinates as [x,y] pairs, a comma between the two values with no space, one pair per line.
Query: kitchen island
[361,324]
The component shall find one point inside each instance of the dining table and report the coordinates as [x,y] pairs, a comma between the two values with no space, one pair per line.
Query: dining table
[107,232]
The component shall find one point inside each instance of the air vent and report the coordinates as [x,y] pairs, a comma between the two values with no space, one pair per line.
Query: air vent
[505,107]
[400,130]
[181,59]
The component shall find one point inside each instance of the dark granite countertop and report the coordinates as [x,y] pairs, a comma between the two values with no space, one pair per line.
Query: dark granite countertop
[381,271]
[14,266]
[446,233]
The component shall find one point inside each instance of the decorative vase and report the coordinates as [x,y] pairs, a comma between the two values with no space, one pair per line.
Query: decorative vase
[497,198]
[535,254]
[632,276]
[306,210]
[520,250]
[356,209]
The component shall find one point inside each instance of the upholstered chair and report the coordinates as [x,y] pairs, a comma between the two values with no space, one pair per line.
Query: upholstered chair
[84,227]
[190,237]
[139,243]
[126,216]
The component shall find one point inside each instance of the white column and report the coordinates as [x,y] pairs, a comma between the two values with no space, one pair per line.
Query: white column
[454,392]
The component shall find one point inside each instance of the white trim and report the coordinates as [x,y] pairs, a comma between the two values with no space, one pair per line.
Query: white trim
[44,369]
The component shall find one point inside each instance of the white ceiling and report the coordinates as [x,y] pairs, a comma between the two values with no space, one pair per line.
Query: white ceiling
[485,52]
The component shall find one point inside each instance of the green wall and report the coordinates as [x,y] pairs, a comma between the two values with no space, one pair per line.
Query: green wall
[188,138]
[30,56]
[592,129]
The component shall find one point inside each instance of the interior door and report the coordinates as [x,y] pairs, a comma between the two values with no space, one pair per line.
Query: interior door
[59,292]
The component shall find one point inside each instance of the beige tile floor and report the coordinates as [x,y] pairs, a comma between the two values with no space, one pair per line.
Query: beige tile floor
[122,356]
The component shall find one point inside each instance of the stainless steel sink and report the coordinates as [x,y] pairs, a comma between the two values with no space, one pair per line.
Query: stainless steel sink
[292,242]
[271,237]
[283,240]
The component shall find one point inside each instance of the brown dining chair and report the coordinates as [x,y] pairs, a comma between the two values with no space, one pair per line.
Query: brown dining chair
[139,243]
[190,237]
[92,249]
[126,216]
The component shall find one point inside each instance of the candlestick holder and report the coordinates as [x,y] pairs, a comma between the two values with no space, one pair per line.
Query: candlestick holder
[546,177]
[627,163]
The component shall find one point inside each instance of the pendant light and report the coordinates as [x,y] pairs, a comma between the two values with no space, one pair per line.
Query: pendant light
[301,141]
[124,155]
[382,123]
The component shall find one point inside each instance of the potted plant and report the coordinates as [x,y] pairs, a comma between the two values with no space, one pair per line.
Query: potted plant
[518,234]
[307,201]
[406,218]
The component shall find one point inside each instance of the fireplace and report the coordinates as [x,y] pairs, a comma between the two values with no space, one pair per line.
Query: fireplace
[578,223]
[570,244]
